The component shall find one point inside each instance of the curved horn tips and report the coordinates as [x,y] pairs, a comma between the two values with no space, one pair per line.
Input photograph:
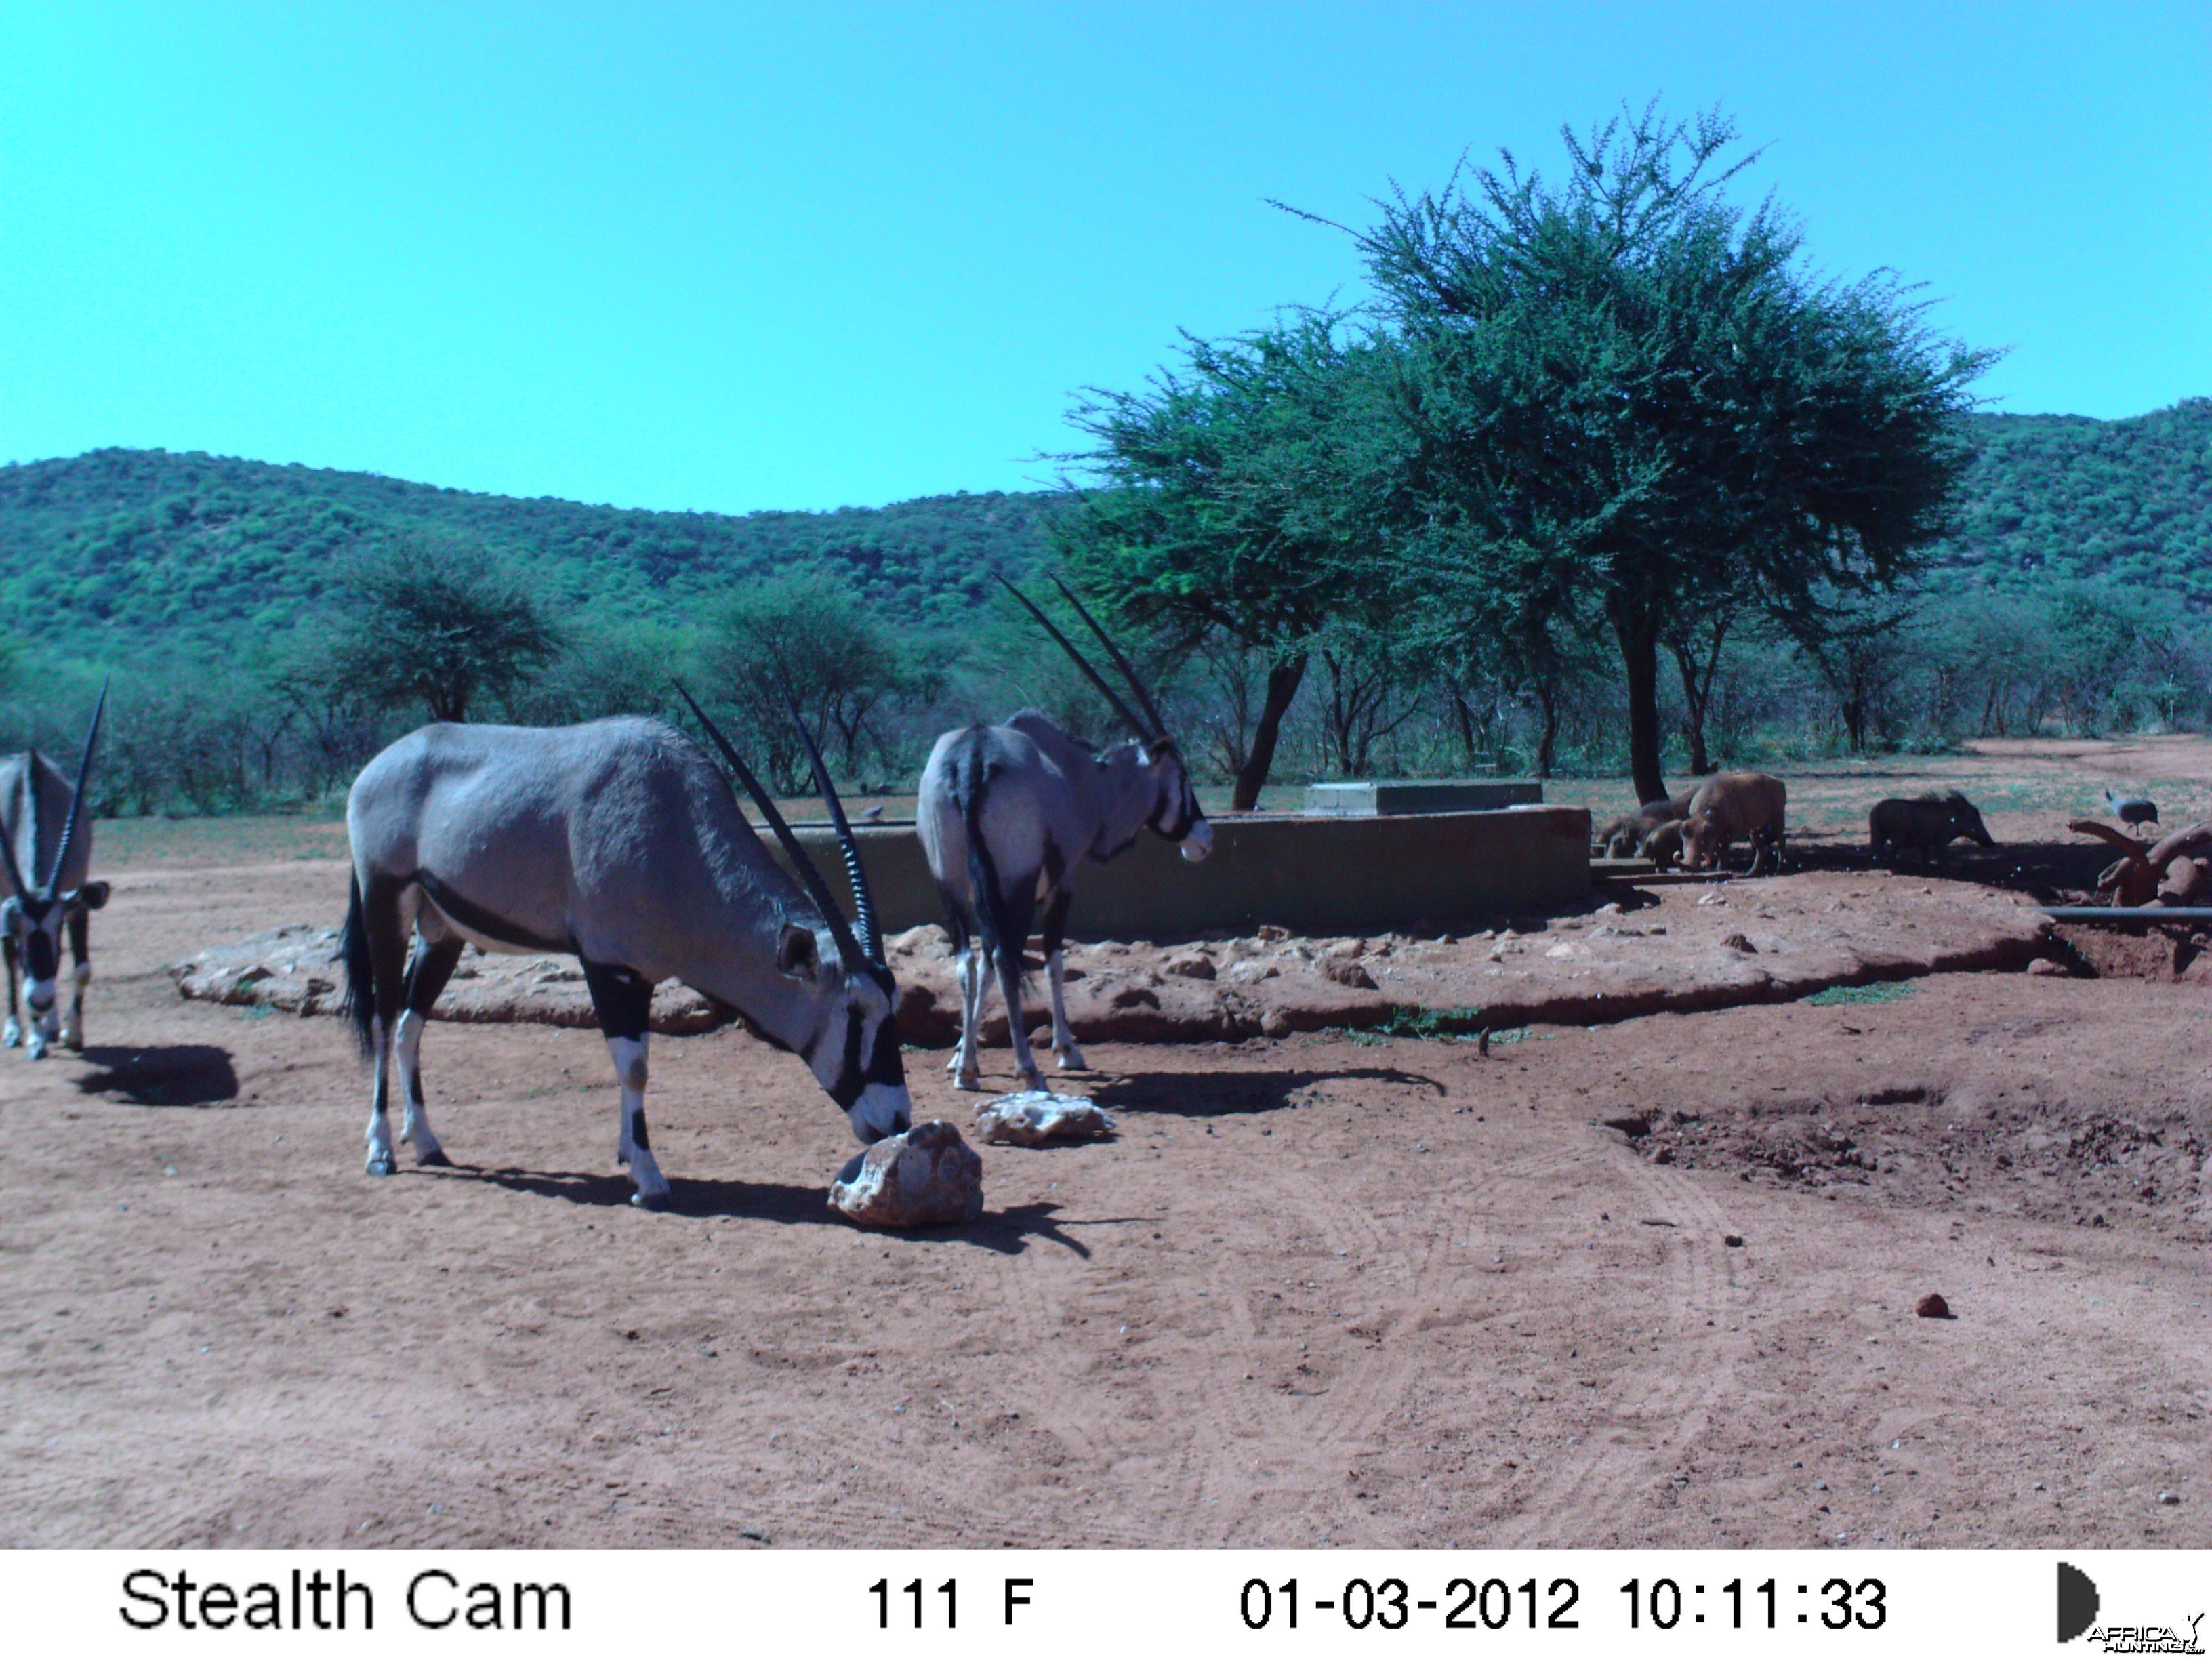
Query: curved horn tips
[810,877]
[864,909]
[76,796]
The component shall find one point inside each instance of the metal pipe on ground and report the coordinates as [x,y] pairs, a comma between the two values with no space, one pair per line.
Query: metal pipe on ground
[2119,915]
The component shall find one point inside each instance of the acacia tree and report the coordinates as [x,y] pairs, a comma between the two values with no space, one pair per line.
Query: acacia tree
[1238,500]
[438,625]
[810,632]
[1624,389]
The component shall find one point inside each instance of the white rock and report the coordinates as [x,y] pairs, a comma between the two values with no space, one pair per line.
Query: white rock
[1035,1117]
[926,1178]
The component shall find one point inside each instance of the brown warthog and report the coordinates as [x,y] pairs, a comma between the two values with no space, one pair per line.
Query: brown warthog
[1663,846]
[1624,837]
[1927,824]
[1731,805]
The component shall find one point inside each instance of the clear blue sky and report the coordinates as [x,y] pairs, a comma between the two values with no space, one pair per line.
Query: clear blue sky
[730,257]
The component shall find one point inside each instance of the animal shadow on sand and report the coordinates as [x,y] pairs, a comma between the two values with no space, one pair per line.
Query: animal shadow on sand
[180,1074]
[1234,1094]
[1006,1232]
[2046,871]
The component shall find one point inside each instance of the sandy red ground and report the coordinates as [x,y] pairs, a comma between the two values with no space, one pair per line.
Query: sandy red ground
[1369,1292]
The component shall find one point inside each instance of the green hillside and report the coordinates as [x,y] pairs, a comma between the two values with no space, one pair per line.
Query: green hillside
[199,552]
[196,553]
[2060,498]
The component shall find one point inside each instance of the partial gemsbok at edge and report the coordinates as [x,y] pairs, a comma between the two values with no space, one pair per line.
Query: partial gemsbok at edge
[1006,812]
[45,830]
[620,843]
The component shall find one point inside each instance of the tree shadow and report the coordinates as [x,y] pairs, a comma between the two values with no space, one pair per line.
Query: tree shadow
[182,1074]
[1234,1094]
[1008,1232]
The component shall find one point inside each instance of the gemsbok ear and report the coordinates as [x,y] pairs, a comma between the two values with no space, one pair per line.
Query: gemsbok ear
[797,953]
[94,895]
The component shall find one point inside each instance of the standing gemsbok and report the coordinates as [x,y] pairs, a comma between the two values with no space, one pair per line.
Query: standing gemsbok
[619,843]
[1006,812]
[45,812]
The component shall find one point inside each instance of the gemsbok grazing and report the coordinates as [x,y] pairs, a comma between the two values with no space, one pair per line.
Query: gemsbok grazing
[1006,814]
[46,831]
[619,843]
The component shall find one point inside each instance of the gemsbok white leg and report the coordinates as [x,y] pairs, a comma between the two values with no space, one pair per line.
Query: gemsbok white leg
[975,992]
[1009,987]
[12,1035]
[415,1125]
[1065,1054]
[623,1001]
[73,1021]
[378,1133]
[432,965]
[636,1146]
[80,933]
[378,927]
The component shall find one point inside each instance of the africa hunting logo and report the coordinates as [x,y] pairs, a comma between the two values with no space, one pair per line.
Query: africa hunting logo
[2078,1604]
[2146,1638]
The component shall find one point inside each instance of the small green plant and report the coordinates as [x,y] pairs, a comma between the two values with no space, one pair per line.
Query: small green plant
[1432,1024]
[1882,990]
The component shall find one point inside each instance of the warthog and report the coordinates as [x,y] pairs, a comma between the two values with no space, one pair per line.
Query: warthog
[1731,807]
[1624,837]
[1927,824]
[1663,846]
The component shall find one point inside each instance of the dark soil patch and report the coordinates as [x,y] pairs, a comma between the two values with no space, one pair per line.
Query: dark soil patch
[2047,1159]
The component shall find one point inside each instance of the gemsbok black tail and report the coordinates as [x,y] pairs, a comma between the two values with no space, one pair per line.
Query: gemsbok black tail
[360,1005]
[1002,919]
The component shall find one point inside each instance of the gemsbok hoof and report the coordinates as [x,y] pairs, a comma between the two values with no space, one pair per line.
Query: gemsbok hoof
[971,1081]
[380,1166]
[435,1158]
[649,1200]
[12,1038]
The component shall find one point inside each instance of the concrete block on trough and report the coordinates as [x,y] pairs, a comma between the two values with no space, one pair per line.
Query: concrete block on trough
[1404,797]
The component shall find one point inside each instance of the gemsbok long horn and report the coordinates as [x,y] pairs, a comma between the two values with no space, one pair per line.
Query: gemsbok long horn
[1098,679]
[864,908]
[810,877]
[1144,697]
[76,801]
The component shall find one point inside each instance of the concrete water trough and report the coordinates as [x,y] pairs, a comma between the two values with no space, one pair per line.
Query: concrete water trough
[1314,874]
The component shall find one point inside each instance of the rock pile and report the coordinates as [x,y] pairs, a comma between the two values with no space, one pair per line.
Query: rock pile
[296,969]
[1687,950]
